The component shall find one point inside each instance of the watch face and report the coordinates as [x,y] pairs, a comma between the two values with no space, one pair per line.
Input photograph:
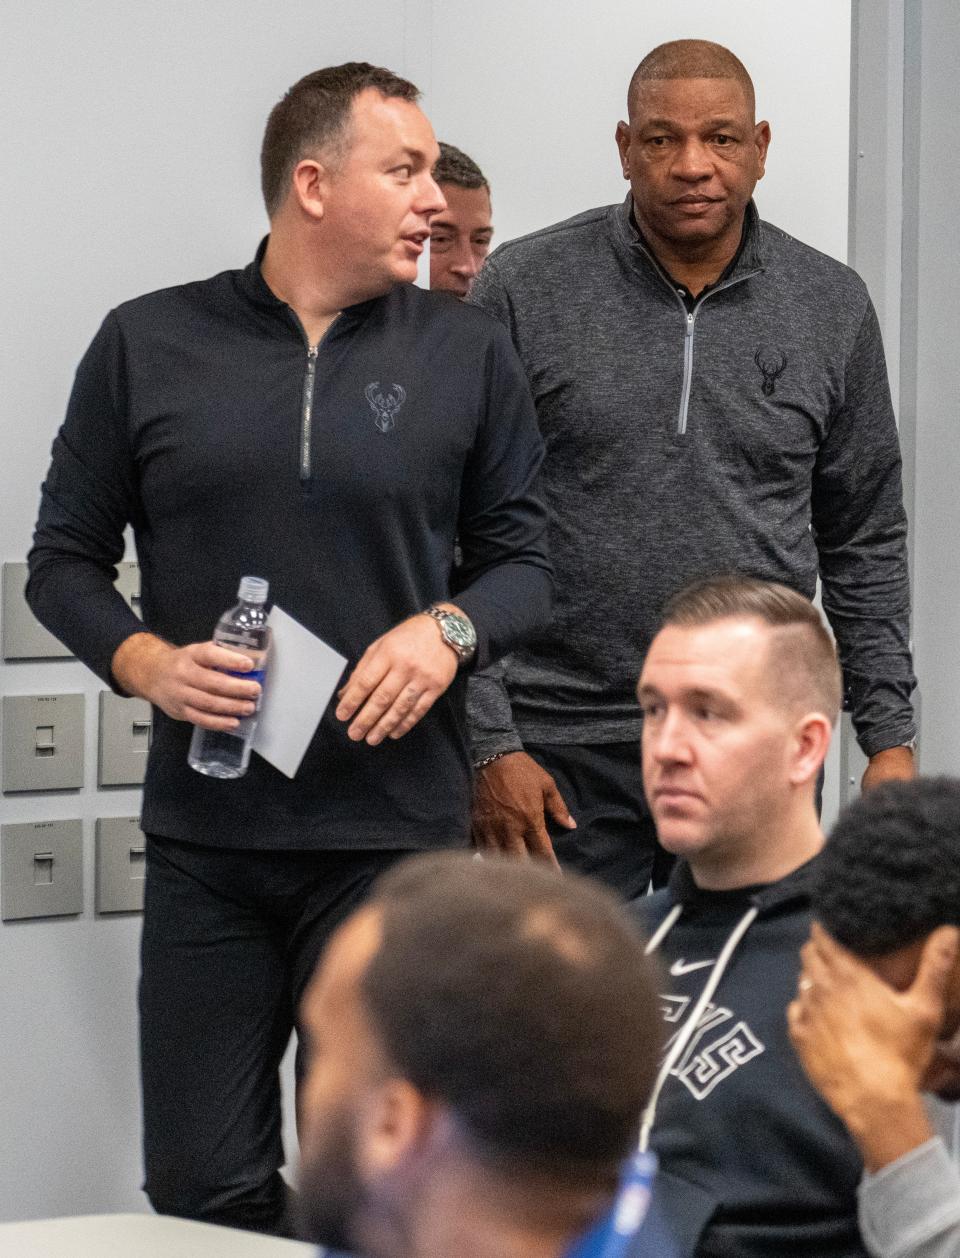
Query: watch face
[460,632]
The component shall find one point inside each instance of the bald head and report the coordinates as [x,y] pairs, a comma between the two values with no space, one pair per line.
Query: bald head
[690,59]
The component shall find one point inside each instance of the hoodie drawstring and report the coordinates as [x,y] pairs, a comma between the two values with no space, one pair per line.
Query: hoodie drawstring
[685,1033]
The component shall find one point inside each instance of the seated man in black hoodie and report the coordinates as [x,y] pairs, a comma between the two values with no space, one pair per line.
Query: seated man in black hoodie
[739,691]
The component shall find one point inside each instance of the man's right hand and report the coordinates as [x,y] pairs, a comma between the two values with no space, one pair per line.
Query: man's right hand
[189,683]
[866,1046]
[511,799]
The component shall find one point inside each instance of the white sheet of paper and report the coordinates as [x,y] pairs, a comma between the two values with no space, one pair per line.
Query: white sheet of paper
[302,675]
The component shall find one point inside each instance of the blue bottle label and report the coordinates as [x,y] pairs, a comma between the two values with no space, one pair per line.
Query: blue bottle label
[255,674]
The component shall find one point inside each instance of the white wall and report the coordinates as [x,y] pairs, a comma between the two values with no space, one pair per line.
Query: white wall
[129,158]
[931,369]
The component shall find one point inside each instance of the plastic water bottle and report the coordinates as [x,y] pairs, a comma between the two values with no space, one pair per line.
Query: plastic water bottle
[226,754]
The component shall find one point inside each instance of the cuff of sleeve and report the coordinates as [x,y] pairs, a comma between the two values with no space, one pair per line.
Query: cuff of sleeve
[500,744]
[883,739]
[910,1201]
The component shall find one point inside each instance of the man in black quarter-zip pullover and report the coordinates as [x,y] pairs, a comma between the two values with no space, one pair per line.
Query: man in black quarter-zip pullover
[713,398]
[318,421]
[739,692]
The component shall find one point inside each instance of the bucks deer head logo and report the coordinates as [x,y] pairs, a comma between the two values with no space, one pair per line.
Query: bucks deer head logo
[770,364]
[385,405]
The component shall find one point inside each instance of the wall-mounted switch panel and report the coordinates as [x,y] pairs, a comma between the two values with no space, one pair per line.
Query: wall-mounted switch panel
[128,583]
[41,869]
[126,731]
[42,742]
[121,865]
[24,638]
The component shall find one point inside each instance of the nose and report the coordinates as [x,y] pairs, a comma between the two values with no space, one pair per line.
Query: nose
[465,262]
[430,199]
[665,739]
[693,160]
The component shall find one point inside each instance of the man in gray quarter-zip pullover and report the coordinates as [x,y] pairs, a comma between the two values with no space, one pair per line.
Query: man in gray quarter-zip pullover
[713,397]
[740,690]
[317,420]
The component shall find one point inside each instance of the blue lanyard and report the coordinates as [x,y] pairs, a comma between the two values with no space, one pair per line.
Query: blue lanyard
[612,1236]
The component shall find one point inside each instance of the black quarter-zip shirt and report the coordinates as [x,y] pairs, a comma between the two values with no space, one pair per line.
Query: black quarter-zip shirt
[200,416]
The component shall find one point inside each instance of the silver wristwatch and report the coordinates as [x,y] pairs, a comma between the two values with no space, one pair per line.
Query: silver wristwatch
[457,631]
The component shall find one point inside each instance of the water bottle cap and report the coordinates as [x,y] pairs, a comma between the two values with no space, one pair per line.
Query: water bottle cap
[253,590]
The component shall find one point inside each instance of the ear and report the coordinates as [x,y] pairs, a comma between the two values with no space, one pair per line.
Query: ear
[623,144]
[761,138]
[811,742]
[395,1123]
[310,185]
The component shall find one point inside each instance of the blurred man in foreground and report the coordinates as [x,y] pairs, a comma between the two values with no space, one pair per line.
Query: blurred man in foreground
[482,1038]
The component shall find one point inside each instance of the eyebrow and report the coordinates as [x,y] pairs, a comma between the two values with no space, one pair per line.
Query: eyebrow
[405,151]
[438,220]
[697,695]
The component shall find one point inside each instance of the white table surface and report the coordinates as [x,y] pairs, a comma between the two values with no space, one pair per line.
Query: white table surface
[139,1236]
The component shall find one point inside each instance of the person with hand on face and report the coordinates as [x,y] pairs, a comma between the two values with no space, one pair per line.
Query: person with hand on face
[739,691]
[481,1039]
[319,421]
[460,234]
[714,398]
[876,1020]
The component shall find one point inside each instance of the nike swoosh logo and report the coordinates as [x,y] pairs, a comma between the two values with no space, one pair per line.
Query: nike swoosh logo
[682,967]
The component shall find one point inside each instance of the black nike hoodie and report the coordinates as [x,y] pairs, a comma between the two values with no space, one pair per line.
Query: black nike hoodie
[753,1164]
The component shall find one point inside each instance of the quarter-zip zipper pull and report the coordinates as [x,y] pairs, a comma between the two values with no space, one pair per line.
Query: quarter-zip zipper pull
[306,413]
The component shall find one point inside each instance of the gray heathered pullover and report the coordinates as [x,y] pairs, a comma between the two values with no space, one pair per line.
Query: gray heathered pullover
[756,435]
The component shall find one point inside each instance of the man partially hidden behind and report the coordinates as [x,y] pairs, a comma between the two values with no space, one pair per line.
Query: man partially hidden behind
[481,1041]
[739,692]
[317,420]
[460,234]
[877,1016]
[714,398]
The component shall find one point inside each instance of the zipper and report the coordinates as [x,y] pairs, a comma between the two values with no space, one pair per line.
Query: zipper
[306,414]
[689,327]
[691,317]
[687,371]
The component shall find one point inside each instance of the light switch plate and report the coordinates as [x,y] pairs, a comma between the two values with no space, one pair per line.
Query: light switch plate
[41,869]
[128,583]
[24,638]
[121,865]
[126,731]
[42,742]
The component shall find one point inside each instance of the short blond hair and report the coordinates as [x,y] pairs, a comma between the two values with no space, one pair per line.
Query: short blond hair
[802,654]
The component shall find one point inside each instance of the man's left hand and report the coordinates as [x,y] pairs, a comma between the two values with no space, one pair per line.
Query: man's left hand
[896,764]
[397,681]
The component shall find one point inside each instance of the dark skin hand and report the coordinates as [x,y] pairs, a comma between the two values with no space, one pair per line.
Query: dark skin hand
[896,764]
[512,798]
[870,1050]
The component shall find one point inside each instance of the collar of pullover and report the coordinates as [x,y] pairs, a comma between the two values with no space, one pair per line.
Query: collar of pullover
[766,897]
[750,255]
[255,287]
